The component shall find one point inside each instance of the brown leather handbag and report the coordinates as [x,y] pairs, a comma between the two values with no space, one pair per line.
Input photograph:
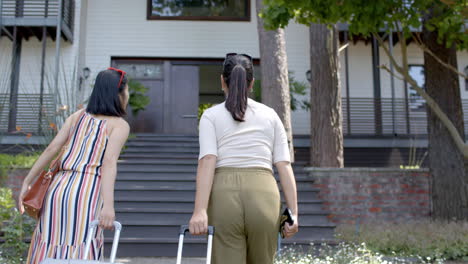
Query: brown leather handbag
[34,197]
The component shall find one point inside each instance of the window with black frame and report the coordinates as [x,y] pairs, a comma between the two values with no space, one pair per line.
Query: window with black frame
[220,10]
[416,102]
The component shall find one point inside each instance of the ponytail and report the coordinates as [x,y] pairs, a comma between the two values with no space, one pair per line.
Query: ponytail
[236,102]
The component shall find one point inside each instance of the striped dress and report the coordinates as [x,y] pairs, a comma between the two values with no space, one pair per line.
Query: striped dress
[74,197]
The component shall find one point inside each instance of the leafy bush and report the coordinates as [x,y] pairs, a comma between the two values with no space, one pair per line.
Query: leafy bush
[138,100]
[18,161]
[344,253]
[8,162]
[423,238]
[202,108]
[15,227]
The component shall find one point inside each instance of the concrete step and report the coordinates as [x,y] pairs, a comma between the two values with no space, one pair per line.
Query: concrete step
[134,214]
[129,167]
[166,228]
[150,161]
[312,205]
[147,161]
[145,177]
[164,137]
[131,200]
[126,174]
[161,143]
[179,184]
[158,156]
[155,205]
[166,150]
[183,193]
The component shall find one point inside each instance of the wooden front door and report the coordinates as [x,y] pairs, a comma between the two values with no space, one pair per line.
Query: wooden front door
[174,94]
[151,119]
[184,98]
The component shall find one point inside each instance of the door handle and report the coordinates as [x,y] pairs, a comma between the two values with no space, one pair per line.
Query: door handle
[189,116]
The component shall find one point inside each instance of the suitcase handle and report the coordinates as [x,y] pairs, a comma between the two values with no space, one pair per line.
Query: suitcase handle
[183,230]
[115,242]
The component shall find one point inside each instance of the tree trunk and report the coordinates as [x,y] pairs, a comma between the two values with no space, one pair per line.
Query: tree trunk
[325,98]
[446,162]
[274,67]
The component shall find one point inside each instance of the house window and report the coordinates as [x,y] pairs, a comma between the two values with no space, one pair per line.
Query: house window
[416,102]
[220,10]
[142,70]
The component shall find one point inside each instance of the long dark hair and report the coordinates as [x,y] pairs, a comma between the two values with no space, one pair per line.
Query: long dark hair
[105,98]
[238,74]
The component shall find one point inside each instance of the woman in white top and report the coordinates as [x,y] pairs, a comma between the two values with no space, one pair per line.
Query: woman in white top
[240,140]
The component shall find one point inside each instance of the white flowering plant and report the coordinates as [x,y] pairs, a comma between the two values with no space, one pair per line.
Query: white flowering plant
[344,253]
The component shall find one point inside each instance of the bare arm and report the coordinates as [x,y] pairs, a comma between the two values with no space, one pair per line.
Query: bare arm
[117,139]
[205,174]
[288,184]
[45,158]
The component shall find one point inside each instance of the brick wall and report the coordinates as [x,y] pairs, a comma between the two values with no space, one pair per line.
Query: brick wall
[369,194]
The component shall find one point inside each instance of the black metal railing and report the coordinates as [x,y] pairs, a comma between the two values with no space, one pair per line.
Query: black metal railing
[397,116]
[29,113]
[38,9]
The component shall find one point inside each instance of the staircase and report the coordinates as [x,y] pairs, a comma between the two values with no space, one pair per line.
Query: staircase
[155,190]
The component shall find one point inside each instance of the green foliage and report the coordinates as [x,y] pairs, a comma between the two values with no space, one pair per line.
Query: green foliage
[296,89]
[344,253]
[257,91]
[15,227]
[366,17]
[6,204]
[423,238]
[138,99]
[18,161]
[8,162]
[202,108]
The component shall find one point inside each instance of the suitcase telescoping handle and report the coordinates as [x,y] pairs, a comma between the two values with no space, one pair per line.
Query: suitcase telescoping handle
[115,243]
[183,230]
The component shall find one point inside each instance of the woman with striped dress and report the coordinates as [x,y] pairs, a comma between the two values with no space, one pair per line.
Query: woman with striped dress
[89,142]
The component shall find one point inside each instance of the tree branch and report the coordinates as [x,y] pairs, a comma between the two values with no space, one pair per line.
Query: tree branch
[419,42]
[385,67]
[459,142]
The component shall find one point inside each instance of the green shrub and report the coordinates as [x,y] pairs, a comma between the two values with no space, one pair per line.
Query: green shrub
[8,162]
[15,227]
[202,108]
[423,238]
[344,253]
[138,100]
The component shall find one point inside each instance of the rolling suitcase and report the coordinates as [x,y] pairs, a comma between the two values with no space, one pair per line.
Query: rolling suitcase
[92,229]
[184,229]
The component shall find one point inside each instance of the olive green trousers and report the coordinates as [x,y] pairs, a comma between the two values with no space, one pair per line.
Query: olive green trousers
[244,208]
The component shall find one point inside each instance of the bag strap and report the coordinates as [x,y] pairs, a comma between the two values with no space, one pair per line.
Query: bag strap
[54,165]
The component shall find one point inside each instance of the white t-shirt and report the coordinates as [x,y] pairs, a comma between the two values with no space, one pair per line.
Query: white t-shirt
[259,141]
